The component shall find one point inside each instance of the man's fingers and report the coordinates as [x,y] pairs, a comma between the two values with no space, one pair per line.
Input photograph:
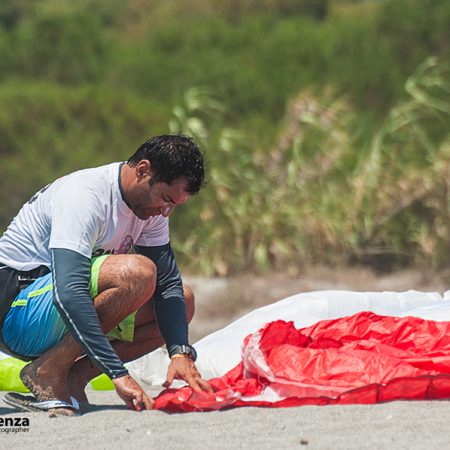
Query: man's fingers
[126,398]
[132,394]
[169,379]
[185,369]
[199,385]
[193,384]
[138,404]
[149,403]
[206,387]
[143,401]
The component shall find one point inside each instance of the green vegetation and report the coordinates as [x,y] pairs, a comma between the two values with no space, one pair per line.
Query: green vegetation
[317,195]
[326,123]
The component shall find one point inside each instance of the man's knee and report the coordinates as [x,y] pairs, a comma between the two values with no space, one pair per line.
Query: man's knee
[135,273]
[189,298]
[141,274]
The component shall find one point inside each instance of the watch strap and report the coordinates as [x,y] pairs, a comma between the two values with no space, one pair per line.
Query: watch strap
[184,349]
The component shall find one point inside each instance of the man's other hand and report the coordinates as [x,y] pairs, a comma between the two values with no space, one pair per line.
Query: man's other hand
[183,368]
[132,394]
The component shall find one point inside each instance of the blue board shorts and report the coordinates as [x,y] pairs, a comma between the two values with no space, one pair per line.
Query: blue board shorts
[33,325]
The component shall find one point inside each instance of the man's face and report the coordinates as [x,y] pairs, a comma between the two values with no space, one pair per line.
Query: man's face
[160,198]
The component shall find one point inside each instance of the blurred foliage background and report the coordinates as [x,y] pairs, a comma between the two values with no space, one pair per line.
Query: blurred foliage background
[325,122]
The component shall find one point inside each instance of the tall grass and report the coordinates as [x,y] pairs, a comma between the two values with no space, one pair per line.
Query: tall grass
[316,195]
[401,185]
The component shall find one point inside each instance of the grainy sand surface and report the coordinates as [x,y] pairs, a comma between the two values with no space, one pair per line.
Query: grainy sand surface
[396,425]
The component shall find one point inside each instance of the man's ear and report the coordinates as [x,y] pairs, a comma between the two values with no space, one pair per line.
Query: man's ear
[144,169]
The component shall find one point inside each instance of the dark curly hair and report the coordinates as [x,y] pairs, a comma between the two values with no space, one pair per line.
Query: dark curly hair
[173,157]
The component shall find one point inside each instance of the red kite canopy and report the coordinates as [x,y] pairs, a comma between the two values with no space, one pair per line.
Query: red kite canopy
[364,358]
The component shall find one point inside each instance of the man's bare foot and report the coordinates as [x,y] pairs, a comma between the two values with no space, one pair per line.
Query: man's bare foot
[46,386]
[55,412]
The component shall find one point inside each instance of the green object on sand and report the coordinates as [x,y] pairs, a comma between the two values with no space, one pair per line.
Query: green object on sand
[102,383]
[9,375]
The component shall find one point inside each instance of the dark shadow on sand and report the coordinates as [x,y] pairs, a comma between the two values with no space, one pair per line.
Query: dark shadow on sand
[6,410]
[87,409]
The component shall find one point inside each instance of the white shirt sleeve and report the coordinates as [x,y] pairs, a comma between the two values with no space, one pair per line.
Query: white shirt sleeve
[76,218]
[155,233]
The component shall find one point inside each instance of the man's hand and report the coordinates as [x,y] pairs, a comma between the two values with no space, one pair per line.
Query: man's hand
[183,368]
[132,394]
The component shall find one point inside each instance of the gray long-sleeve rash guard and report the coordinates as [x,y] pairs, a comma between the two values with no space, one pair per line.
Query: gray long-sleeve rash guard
[170,306]
[71,272]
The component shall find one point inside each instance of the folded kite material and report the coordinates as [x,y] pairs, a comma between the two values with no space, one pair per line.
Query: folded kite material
[365,358]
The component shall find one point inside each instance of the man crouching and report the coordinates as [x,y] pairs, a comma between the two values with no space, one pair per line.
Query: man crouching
[88,278]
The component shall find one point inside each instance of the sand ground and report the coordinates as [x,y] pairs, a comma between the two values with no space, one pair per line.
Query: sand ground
[108,424]
[396,425]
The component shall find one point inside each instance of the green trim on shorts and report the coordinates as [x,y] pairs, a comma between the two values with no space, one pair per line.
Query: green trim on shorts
[24,301]
[125,330]
[20,302]
[43,290]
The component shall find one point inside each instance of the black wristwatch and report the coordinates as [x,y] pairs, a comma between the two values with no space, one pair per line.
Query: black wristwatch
[187,350]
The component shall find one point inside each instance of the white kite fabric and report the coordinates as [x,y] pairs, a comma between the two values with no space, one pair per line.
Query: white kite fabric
[237,369]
